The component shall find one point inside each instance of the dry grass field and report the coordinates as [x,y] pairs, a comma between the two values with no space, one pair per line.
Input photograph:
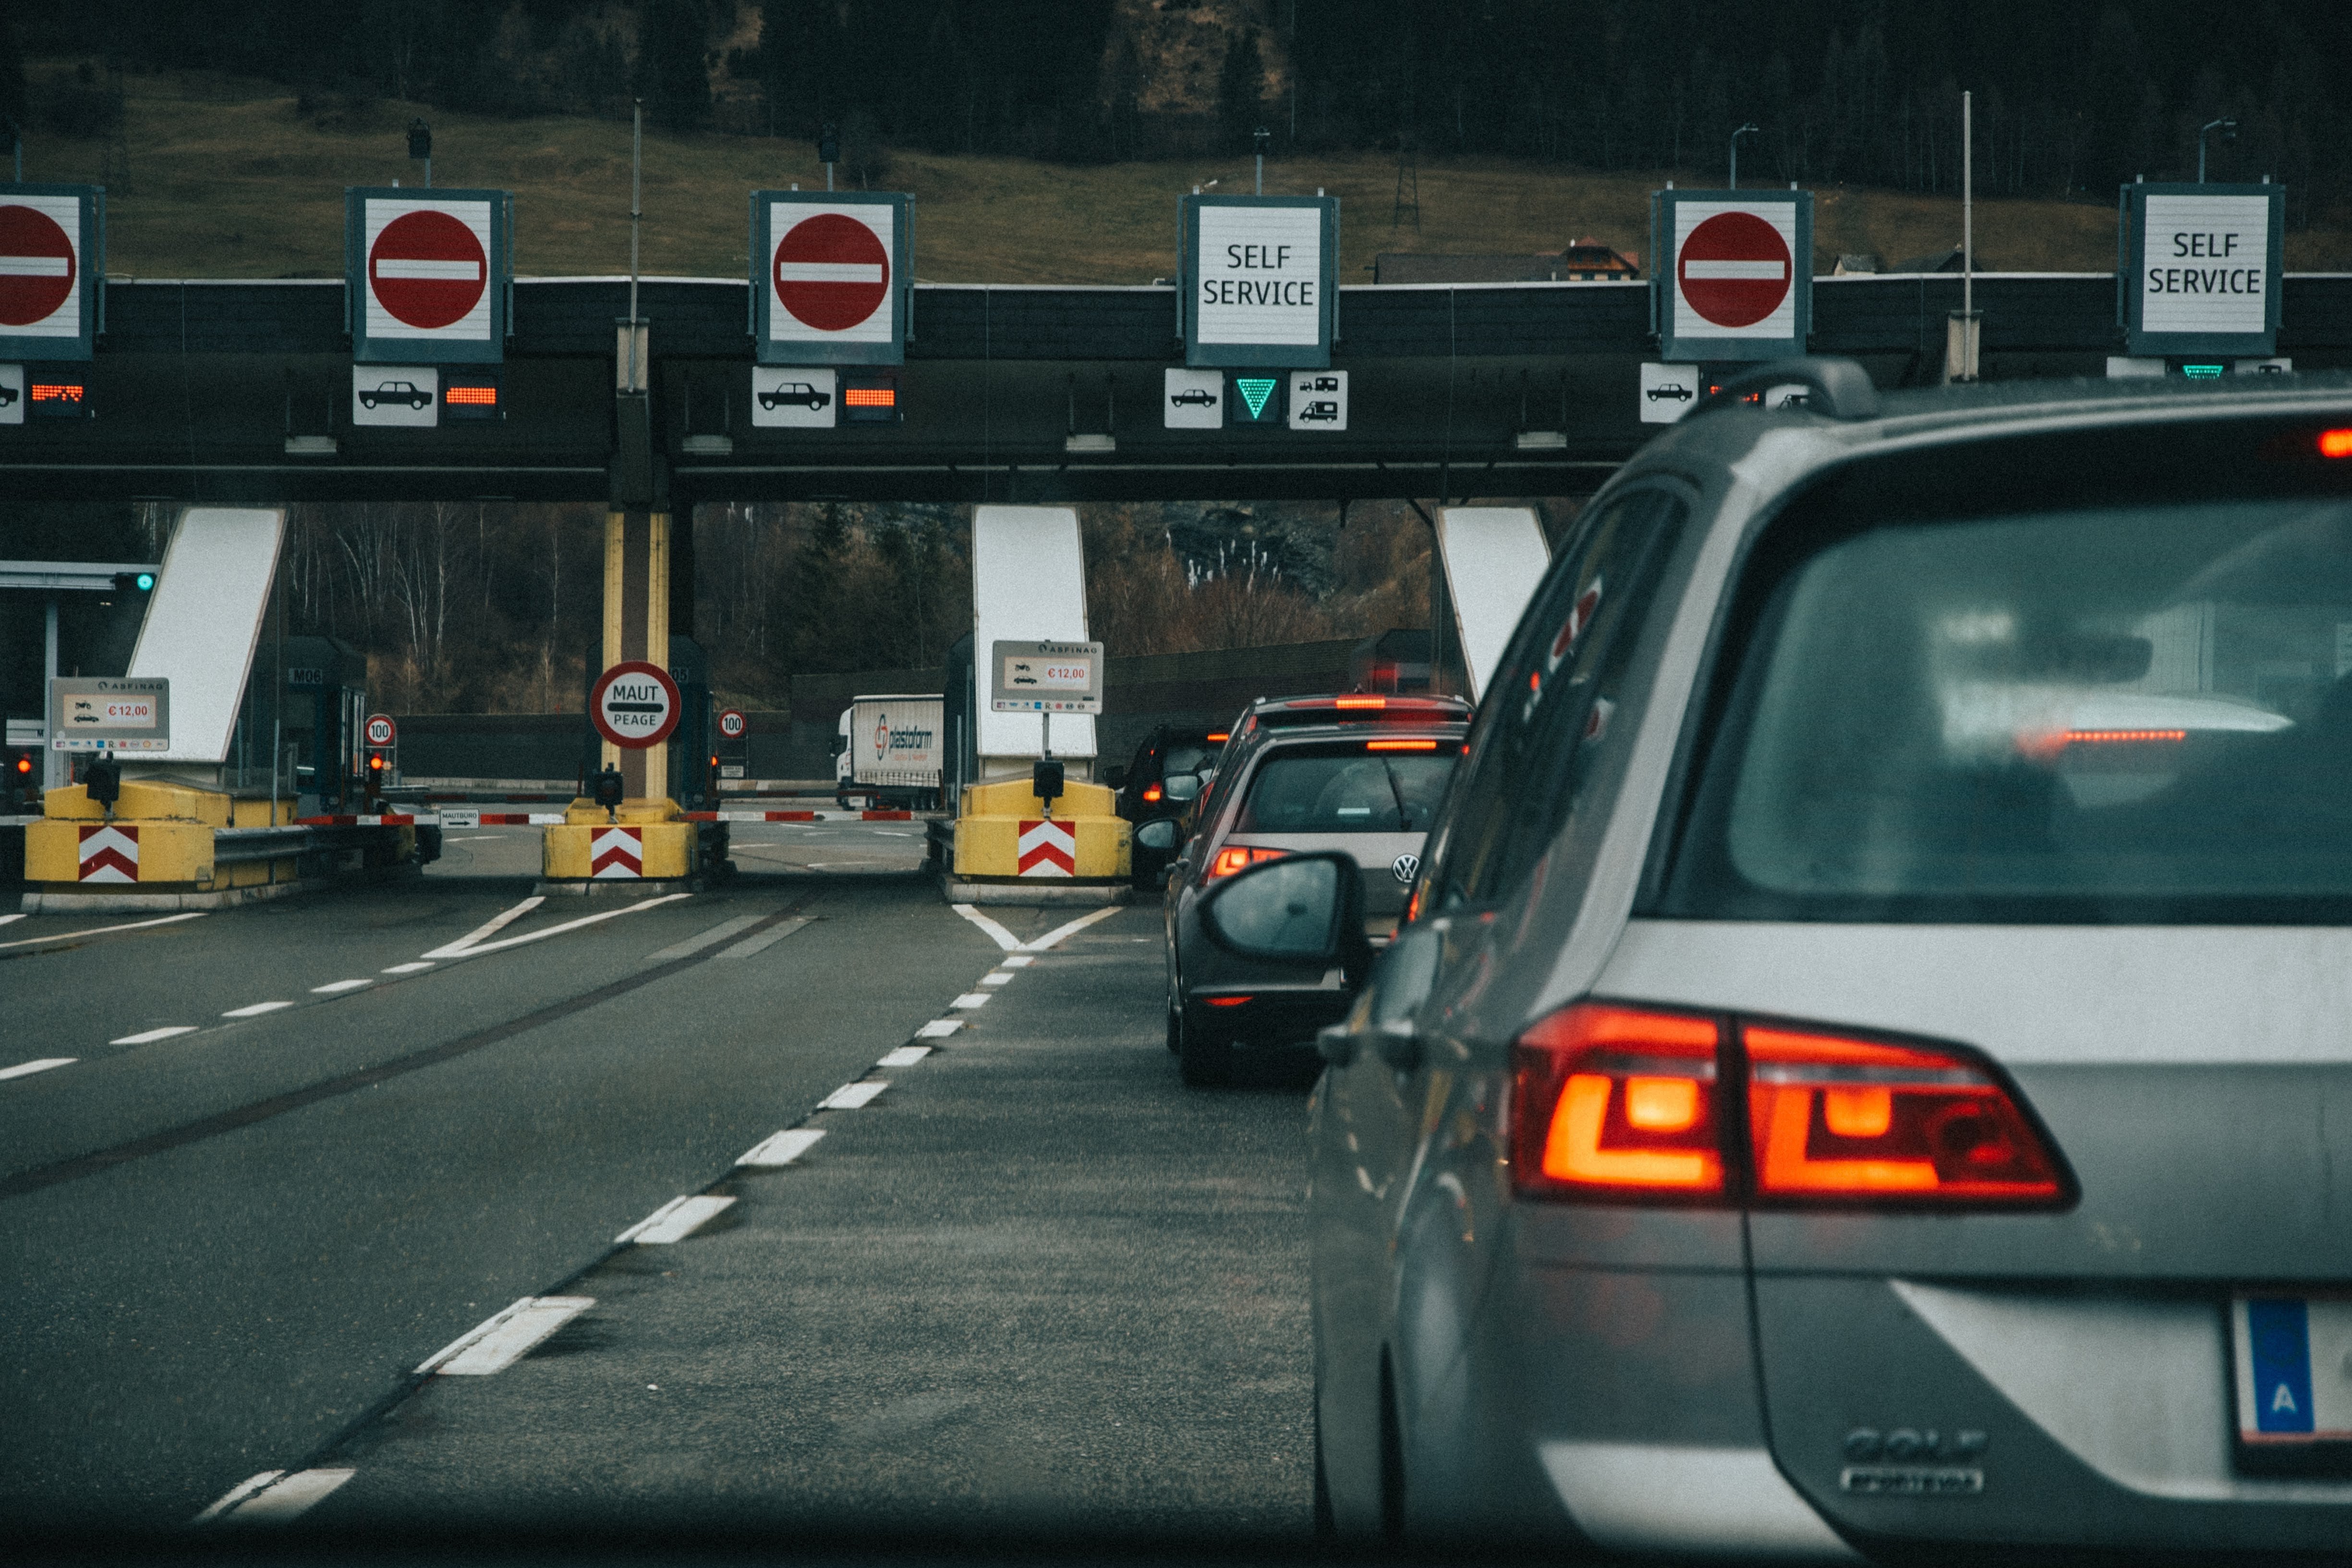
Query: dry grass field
[222,178]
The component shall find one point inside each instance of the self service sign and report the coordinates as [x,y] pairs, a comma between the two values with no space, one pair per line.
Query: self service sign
[831,278]
[1738,283]
[52,270]
[1258,277]
[2200,267]
[430,275]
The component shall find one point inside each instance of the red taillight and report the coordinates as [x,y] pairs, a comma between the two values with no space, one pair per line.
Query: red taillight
[1400,745]
[1360,702]
[2336,443]
[1151,792]
[1617,1104]
[1240,857]
[1220,740]
[1225,1001]
[1623,1104]
[1834,1117]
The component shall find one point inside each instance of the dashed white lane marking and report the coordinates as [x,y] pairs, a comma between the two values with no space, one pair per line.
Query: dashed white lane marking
[290,1496]
[236,1495]
[104,931]
[488,928]
[335,986]
[703,939]
[418,967]
[26,1070]
[783,1149]
[504,1338]
[939,1029]
[9,920]
[904,1056]
[151,1036]
[675,1221]
[1075,926]
[256,1010]
[972,999]
[1015,960]
[1004,939]
[483,947]
[850,1096]
[765,940]
[1002,977]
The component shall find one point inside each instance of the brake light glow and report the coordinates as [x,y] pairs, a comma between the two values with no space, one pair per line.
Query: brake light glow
[1225,1001]
[1220,739]
[1400,745]
[1617,1102]
[2109,737]
[1151,792]
[1240,857]
[1832,1117]
[1360,702]
[2336,443]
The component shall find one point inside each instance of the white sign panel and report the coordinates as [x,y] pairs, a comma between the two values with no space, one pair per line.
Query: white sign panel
[1046,678]
[119,713]
[1735,269]
[1318,400]
[794,397]
[428,269]
[1668,391]
[12,395]
[1194,399]
[406,394]
[2203,264]
[41,274]
[1260,275]
[829,274]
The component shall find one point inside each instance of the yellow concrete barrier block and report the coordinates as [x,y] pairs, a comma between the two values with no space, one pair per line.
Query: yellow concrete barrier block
[641,846]
[94,853]
[1003,833]
[156,800]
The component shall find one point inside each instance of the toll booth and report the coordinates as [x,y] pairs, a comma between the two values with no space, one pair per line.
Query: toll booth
[694,744]
[324,709]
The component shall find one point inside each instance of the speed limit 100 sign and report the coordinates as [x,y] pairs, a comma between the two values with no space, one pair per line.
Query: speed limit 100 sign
[732,724]
[635,705]
[380,730]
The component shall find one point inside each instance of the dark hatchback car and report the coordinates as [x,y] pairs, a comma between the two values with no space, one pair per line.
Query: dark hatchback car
[1156,791]
[1353,774]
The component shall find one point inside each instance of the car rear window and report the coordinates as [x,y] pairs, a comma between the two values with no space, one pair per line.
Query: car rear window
[2133,713]
[1347,789]
[1183,758]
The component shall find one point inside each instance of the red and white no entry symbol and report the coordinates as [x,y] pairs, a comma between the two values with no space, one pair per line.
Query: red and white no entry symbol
[379,729]
[427,269]
[731,724]
[832,272]
[37,265]
[1734,270]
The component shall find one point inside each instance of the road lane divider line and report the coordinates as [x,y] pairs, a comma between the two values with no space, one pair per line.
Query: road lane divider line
[288,1498]
[703,939]
[1075,926]
[504,1338]
[418,967]
[939,1029]
[26,1070]
[904,1056]
[853,1096]
[1001,977]
[40,1178]
[783,1149]
[1003,938]
[1016,961]
[254,1010]
[766,939]
[336,987]
[105,931]
[236,1495]
[972,999]
[488,928]
[502,946]
[9,920]
[674,1221]
[149,1036]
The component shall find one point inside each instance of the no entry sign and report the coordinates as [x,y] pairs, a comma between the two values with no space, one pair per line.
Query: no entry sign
[51,238]
[1739,280]
[830,276]
[428,275]
[635,705]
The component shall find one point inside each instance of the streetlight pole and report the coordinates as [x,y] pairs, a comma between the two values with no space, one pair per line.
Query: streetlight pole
[1747,130]
[1261,136]
[2229,129]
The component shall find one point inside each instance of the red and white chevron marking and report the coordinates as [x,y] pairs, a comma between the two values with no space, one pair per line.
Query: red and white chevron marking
[616,852]
[109,854]
[1049,849]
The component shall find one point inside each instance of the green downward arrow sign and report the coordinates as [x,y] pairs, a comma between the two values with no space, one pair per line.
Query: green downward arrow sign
[1254,390]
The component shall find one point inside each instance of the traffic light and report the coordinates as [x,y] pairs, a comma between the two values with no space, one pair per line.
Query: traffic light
[610,791]
[134,581]
[103,781]
[828,142]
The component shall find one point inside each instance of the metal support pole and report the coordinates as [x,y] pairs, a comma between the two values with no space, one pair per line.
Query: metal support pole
[637,189]
[52,760]
[828,176]
[1968,208]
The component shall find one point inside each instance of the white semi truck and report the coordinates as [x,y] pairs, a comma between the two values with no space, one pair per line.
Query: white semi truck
[888,750]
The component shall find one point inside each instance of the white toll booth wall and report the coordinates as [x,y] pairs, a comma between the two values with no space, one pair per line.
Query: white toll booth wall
[1495,557]
[1028,585]
[203,623]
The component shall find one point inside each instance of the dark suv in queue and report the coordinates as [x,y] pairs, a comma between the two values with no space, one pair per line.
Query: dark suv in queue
[1354,773]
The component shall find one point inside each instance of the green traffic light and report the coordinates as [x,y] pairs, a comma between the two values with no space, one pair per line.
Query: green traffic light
[146,581]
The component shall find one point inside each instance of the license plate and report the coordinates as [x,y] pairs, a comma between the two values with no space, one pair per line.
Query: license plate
[2294,1358]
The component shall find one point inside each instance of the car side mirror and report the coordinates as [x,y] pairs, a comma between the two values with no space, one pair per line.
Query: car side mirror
[1160,833]
[1180,786]
[1300,909]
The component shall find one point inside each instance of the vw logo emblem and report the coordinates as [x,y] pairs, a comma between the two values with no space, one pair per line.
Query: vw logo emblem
[1406,867]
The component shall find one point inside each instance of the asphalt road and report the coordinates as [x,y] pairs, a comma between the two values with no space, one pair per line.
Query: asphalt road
[1031,1282]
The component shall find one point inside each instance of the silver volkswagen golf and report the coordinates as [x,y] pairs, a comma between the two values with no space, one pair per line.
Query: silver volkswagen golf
[1869,1065]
